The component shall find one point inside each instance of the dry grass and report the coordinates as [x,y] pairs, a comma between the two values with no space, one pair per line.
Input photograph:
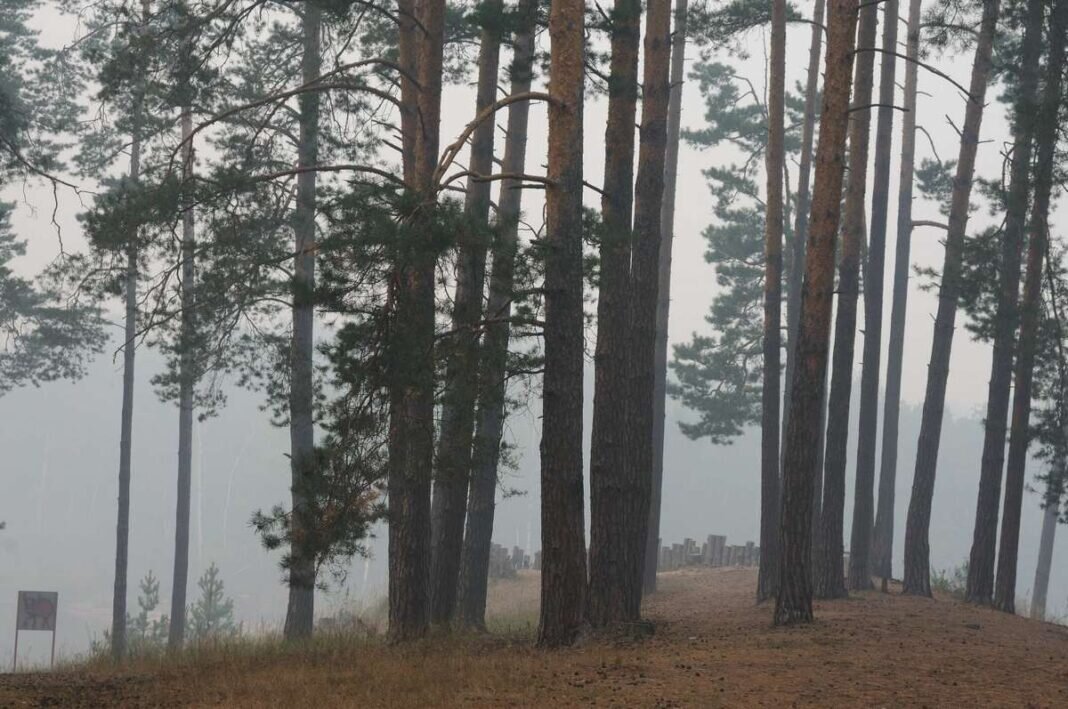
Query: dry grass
[713,647]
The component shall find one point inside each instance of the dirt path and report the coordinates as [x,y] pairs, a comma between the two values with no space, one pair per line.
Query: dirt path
[712,648]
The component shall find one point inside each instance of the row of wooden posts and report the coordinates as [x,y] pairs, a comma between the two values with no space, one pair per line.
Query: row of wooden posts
[713,552]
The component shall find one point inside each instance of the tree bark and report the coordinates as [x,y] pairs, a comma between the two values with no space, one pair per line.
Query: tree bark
[411,356]
[129,348]
[563,561]
[300,613]
[829,581]
[796,270]
[610,438]
[1030,313]
[187,381]
[645,282]
[667,235]
[917,546]
[860,545]
[772,338]
[493,376]
[883,541]
[1045,561]
[794,600]
[980,588]
[449,504]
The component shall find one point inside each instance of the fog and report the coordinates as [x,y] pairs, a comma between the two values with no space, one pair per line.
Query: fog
[60,441]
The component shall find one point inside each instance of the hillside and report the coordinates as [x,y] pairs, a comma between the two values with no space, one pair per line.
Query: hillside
[712,647]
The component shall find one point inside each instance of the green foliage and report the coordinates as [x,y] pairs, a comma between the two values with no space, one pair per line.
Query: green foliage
[723,26]
[718,375]
[211,617]
[953,582]
[43,335]
[146,632]
[143,631]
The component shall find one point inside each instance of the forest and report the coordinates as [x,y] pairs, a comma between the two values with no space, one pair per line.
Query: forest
[406,230]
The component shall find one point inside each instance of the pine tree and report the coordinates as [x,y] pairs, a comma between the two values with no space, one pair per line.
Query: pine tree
[774,166]
[451,482]
[794,600]
[883,539]
[980,586]
[648,204]
[611,437]
[493,376]
[667,229]
[212,615]
[861,541]
[917,550]
[828,571]
[1046,135]
[563,573]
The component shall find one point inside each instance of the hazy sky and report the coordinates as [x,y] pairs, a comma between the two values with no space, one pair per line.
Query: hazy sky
[63,438]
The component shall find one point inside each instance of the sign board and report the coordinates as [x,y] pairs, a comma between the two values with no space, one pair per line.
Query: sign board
[36,611]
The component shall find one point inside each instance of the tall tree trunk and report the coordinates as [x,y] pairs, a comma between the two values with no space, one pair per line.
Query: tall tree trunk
[980,588]
[493,376]
[667,235]
[794,600]
[563,562]
[645,279]
[129,347]
[772,340]
[605,601]
[883,541]
[461,386]
[860,545]
[411,358]
[186,382]
[829,579]
[917,528]
[1045,561]
[797,251]
[300,613]
[1046,134]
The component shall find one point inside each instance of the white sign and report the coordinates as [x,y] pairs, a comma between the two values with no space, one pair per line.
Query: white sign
[37,610]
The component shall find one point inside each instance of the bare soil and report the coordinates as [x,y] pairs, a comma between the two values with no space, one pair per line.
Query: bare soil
[712,648]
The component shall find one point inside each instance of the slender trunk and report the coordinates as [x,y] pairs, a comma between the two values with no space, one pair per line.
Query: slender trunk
[917,528]
[645,279]
[129,347]
[667,234]
[606,599]
[1030,313]
[1045,561]
[883,541]
[797,250]
[794,600]
[493,377]
[449,504]
[411,357]
[980,588]
[563,565]
[860,545]
[186,382]
[829,581]
[772,337]
[300,614]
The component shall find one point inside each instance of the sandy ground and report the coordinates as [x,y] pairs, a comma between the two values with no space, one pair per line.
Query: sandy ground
[712,648]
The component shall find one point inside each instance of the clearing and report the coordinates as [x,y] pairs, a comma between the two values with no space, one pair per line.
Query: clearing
[712,648]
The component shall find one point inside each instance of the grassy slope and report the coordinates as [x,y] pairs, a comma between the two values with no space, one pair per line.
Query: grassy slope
[712,648]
